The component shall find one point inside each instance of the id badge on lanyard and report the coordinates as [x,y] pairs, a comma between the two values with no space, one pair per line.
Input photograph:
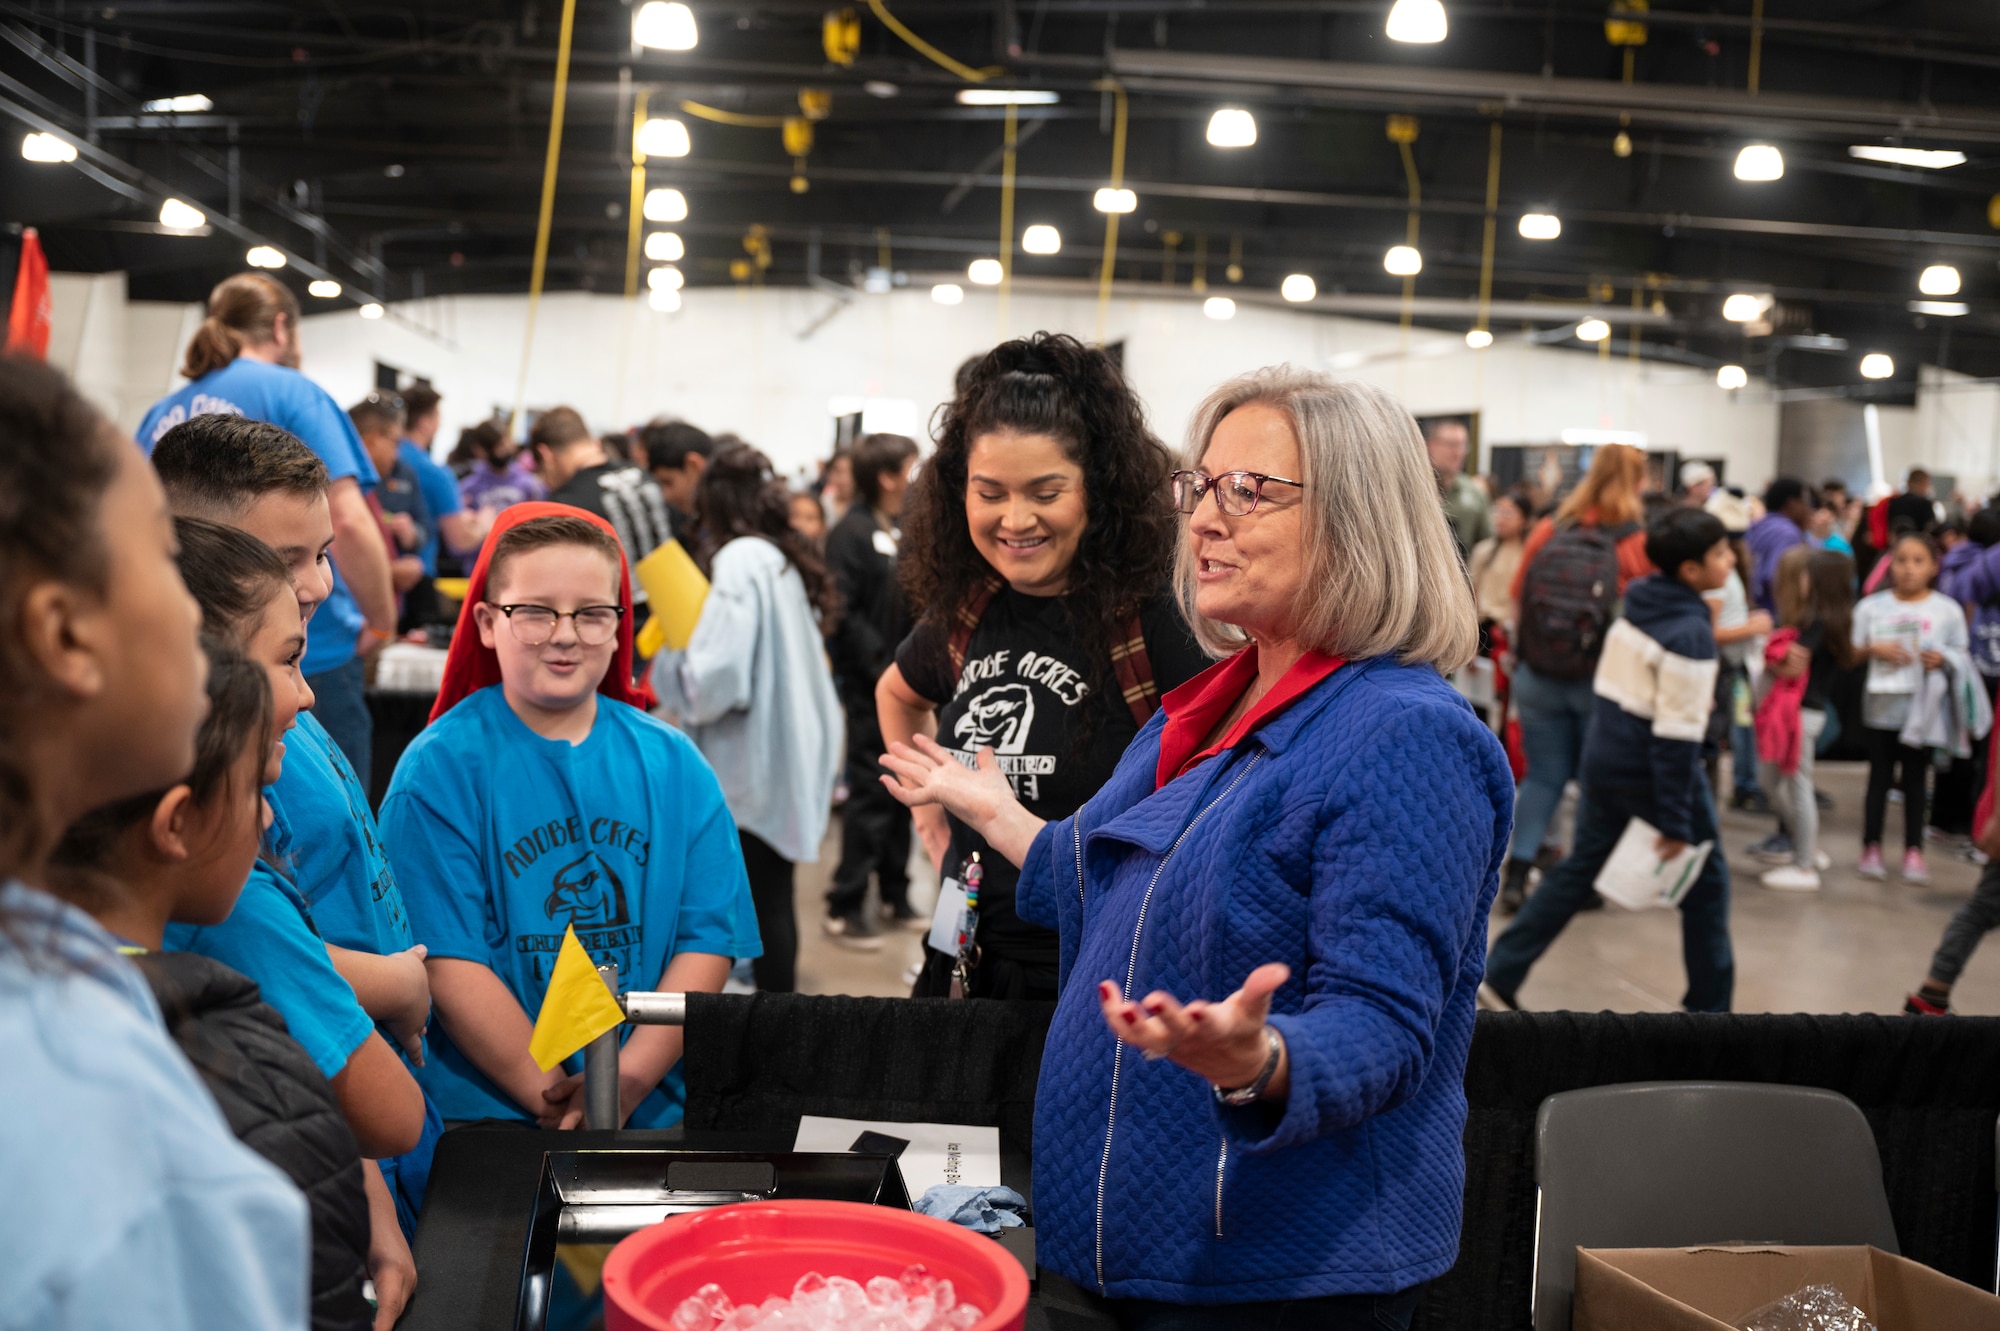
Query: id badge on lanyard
[956,921]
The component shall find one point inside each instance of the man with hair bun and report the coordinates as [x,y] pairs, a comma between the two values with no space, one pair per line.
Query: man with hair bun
[243,361]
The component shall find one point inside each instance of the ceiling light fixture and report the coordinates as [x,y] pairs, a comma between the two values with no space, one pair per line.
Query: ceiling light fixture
[664,25]
[1875,365]
[1746,307]
[664,137]
[666,205]
[1298,288]
[1041,238]
[665,279]
[370,311]
[1934,159]
[1478,339]
[324,288]
[48,148]
[1007,97]
[1944,309]
[1232,127]
[264,256]
[1403,261]
[880,88]
[1731,376]
[1540,226]
[1593,330]
[1760,161]
[1419,21]
[985,272]
[1219,307]
[190,103]
[947,293]
[665,247]
[176,215]
[664,299]
[1109,200]
[1940,279]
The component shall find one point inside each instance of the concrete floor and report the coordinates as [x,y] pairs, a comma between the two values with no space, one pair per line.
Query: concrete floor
[1855,946]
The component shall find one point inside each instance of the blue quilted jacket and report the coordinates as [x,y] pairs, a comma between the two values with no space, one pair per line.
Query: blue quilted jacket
[1356,836]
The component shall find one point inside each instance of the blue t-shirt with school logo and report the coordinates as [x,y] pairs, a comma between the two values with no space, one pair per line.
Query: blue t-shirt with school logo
[289,400]
[323,831]
[502,839]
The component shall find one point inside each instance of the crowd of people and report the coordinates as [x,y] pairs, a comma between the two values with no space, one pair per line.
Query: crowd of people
[1176,727]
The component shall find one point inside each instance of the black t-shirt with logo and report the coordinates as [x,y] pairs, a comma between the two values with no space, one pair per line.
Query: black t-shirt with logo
[1054,719]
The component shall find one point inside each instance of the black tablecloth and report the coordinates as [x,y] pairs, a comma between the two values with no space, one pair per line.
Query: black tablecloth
[1930,1090]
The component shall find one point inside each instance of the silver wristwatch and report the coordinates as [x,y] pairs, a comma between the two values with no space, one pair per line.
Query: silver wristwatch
[1251,1094]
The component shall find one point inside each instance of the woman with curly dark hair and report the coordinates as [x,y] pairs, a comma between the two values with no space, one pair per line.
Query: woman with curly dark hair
[752,687]
[1038,548]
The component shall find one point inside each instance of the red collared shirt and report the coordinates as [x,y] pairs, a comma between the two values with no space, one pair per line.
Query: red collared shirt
[1198,706]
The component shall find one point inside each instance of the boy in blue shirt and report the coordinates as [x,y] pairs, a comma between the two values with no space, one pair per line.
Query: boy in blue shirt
[243,361]
[1654,686]
[456,531]
[543,798]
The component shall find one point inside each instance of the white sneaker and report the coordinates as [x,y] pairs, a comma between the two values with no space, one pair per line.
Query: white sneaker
[1822,861]
[1791,878]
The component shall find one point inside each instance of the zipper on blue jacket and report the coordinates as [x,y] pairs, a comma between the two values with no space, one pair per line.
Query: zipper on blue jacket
[1221,1168]
[1118,1050]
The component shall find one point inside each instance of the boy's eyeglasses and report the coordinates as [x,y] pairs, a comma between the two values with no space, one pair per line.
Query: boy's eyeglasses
[1236,492]
[533,625]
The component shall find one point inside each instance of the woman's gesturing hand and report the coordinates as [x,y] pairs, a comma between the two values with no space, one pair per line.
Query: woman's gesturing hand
[926,773]
[1223,1042]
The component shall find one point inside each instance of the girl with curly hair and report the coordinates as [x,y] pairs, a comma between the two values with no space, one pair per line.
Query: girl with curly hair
[1038,549]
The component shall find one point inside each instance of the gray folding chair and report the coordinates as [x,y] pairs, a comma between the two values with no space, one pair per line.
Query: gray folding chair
[1675,1164]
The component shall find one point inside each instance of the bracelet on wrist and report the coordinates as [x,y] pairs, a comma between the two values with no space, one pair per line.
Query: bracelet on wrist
[1251,1094]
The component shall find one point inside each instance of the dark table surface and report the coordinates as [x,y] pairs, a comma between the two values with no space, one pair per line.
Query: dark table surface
[482,1189]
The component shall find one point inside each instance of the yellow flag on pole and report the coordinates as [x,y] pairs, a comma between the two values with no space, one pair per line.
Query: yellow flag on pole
[577,1008]
[675,591]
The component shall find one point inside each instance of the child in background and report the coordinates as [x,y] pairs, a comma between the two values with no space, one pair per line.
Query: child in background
[1815,591]
[1737,629]
[129,1202]
[183,853]
[541,798]
[1902,631]
[1654,686]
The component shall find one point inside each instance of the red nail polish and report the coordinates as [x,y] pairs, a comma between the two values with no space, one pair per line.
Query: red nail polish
[1131,1019]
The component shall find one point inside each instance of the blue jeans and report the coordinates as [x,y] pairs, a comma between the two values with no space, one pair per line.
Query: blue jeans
[1554,715]
[1601,816]
[340,703]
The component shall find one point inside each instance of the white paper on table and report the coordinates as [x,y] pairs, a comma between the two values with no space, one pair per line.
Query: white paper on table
[1638,879]
[938,1152]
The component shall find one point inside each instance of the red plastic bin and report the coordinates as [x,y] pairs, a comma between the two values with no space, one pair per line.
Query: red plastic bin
[757,1249]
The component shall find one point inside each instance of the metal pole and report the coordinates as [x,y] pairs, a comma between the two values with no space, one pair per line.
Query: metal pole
[600,1070]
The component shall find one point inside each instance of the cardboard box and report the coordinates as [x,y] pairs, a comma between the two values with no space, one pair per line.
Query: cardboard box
[1714,1289]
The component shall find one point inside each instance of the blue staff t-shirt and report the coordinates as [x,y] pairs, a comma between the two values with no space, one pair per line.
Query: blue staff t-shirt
[502,839]
[323,831]
[289,400]
[440,489]
[270,938]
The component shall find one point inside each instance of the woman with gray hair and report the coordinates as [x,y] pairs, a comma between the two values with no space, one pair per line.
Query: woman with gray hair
[1272,917]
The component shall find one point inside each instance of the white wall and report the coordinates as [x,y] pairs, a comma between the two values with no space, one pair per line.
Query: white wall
[733,360]
[1957,429]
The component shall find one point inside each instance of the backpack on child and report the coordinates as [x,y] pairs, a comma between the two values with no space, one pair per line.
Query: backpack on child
[1569,596]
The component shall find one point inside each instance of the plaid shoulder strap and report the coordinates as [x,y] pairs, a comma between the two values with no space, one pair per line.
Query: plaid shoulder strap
[1129,661]
[966,621]
[1134,669]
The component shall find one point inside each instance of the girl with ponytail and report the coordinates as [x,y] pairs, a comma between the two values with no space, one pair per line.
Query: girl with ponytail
[244,361]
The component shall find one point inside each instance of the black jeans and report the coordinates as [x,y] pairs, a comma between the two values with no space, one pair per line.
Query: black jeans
[1347,1312]
[874,837]
[1885,753]
[1975,919]
[1601,816]
[771,896]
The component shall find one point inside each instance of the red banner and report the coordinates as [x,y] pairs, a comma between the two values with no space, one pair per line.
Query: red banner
[28,321]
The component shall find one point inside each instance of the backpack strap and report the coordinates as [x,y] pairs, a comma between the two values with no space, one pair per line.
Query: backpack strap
[1134,669]
[966,622]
